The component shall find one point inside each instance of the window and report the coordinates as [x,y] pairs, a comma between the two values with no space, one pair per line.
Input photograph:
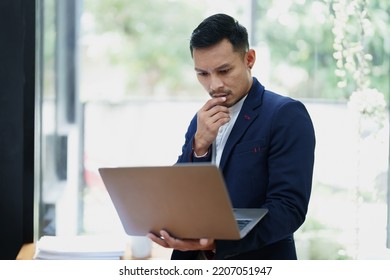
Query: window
[115,73]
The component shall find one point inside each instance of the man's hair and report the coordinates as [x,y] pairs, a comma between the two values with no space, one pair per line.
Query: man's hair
[217,27]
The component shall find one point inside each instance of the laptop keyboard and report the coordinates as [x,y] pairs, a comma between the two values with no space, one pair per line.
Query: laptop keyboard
[242,223]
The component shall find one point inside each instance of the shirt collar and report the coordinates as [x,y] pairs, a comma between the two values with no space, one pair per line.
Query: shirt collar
[236,108]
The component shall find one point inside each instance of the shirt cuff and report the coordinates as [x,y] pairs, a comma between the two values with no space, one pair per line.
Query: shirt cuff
[202,156]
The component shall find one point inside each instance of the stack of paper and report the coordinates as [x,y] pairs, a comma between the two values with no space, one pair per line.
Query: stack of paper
[79,248]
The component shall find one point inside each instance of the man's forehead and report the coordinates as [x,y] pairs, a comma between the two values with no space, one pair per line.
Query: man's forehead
[212,60]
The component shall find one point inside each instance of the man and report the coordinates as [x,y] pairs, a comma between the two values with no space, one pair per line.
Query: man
[263,143]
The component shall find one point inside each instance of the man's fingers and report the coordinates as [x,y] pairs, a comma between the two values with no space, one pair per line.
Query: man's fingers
[173,242]
[158,240]
[219,117]
[217,111]
[167,241]
[206,241]
[215,117]
[212,108]
[213,102]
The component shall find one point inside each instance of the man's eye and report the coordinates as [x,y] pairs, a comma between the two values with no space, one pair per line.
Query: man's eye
[203,74]
[224,71]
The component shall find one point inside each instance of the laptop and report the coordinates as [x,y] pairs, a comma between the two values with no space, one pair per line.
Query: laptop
[187,200]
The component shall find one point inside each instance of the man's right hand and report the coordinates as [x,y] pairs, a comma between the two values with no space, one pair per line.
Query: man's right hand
[210,118]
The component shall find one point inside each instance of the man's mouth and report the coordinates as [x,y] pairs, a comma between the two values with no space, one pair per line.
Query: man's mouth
[219,95]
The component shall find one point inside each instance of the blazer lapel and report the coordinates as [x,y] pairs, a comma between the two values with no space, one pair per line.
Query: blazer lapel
[245,118]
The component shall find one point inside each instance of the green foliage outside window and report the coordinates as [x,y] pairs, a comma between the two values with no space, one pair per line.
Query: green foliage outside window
[299,35]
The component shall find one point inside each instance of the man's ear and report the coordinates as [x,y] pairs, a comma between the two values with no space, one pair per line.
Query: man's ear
[250,58]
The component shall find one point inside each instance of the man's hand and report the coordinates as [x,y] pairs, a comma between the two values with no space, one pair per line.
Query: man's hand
[167,241]
[210,118]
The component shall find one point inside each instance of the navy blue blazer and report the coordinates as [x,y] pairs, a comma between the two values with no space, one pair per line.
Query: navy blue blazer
[267,162]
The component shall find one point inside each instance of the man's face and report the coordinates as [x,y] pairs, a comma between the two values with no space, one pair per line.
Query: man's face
[224,72]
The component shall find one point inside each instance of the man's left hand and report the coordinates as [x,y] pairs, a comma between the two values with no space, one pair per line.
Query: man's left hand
[167,241]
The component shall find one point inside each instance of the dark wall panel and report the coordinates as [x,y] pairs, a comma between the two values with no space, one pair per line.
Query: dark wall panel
[16,124]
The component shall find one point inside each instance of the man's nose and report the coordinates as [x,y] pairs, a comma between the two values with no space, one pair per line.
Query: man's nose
[215,83]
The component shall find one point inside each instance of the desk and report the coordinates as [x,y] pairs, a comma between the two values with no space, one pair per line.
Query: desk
[158,253]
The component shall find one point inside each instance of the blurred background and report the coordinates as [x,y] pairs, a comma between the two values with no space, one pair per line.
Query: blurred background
[115,73]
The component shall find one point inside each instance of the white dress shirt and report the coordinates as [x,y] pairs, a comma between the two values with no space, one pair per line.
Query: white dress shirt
[224,132]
